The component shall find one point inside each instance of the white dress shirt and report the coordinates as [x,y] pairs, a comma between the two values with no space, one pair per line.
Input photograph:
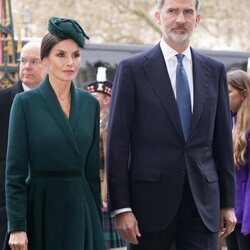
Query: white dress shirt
[171,61]
[25,87]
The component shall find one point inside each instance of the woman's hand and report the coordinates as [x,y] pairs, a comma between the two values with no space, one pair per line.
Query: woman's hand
[104,206]
[18,241]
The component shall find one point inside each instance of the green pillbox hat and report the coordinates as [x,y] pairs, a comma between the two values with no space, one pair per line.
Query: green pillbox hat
[66,28]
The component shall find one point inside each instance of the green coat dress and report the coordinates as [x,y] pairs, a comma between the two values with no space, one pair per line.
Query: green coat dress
[52,175]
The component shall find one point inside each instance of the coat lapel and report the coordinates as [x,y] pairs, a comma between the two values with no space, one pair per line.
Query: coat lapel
[56,111]
[156,71]
[201,83]
[75,107]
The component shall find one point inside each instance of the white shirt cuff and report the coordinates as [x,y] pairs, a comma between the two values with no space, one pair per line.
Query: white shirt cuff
[119,211]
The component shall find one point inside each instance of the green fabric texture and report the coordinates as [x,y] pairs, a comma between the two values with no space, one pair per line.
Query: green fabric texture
[52,175]
[66,28]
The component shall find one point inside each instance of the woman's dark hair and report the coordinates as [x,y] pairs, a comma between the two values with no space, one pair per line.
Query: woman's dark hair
[48,42]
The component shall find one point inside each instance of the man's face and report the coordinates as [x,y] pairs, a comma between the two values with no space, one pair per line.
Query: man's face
[177,19]
[103,99]
[31,70]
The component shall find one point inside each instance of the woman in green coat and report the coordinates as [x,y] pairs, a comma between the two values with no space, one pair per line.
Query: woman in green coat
[52,175]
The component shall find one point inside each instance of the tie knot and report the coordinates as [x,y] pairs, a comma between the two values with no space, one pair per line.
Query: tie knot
[179,58]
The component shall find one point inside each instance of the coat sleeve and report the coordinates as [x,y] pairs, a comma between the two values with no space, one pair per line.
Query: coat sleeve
[245,229]
[222,145]
[92,166]
[17,168]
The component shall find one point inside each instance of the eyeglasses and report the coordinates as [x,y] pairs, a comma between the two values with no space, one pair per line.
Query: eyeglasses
[32,62]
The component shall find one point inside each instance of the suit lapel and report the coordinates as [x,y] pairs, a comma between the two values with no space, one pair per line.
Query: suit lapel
[56,111]
[201,83]
[15,89]
[156,71]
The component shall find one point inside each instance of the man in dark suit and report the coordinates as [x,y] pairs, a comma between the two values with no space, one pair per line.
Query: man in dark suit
[31,73]
[169,149]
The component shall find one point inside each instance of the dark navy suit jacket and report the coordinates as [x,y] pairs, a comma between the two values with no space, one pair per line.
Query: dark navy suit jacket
[6,99]
[147,156]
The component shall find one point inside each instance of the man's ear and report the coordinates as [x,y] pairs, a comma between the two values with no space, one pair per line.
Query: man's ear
[107,100]
[198,18]
[157,16]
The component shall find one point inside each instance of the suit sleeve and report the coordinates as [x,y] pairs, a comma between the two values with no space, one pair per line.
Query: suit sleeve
[122,110]
[223,150]
[17,168]
[5,105]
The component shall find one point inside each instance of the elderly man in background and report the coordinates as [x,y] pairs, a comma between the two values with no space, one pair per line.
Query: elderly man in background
[31,74]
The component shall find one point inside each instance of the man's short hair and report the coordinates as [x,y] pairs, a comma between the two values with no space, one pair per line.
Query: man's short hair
[160,4]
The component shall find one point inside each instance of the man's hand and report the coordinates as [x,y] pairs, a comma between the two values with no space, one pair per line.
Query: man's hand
[127,227]
[227,222]
[18,241]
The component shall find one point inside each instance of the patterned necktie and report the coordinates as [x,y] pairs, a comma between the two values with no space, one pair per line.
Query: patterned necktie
[183,97]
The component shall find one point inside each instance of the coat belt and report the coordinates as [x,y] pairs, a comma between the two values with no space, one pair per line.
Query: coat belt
[65,173]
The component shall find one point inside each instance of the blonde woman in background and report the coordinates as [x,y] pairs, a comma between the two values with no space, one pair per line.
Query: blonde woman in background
[239,96]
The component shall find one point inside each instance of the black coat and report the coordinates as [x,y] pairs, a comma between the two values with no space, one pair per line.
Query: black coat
[6,99]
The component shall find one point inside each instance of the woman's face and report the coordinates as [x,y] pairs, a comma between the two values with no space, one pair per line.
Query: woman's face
[63,61]
[236,96]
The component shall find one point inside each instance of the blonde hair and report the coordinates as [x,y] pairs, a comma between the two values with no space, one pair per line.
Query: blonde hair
[240,80]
